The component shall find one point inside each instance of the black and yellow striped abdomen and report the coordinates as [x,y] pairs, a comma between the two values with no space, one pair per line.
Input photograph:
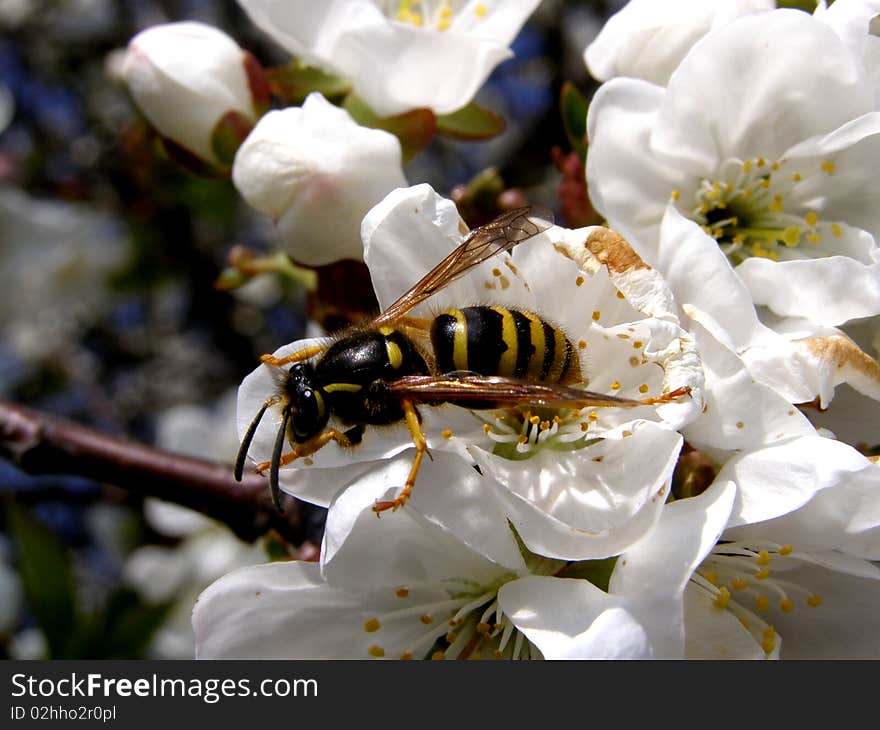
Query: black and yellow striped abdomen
[502,341]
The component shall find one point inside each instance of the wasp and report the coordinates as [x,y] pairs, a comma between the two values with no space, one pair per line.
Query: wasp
[380,373]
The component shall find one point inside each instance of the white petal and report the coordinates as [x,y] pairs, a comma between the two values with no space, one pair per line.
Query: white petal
[743,91]
[361,549]
[778,479]
[589,503]
[713,633]
[284,611]
[828,291]
[652,573]
[572,619]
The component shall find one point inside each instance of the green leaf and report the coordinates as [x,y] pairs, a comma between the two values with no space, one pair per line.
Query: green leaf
[472,122]
[573,105]
[47,577]
[294,82]
[228,134]
[414,128]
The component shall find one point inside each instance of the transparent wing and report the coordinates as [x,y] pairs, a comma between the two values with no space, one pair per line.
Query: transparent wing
[501,234]
[511,391]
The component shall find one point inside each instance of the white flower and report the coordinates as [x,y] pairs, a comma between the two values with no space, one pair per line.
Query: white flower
[186,77]
[399,55]
[408,589]
[757,208]
[777,167]
[317,172]
[581,485]
[647,39]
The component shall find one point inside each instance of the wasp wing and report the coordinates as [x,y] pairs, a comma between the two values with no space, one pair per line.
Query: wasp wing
[500,234]
[505,392]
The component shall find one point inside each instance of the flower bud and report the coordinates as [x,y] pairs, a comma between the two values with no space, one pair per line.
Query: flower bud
[188,77]
[317,173]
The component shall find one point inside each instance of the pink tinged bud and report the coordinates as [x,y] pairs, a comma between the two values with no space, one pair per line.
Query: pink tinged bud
[196,86]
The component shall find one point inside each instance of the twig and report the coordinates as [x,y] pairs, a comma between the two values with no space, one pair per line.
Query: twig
[40,443]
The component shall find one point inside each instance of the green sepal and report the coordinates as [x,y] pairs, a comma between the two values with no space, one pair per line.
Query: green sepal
[276,547]
[597,572]
[414,128]
[245,264]
[471,123]
[294,82]
[228,134]
[573,106]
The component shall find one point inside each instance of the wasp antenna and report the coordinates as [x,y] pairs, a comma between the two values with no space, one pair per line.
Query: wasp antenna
[274,489]
[248,437]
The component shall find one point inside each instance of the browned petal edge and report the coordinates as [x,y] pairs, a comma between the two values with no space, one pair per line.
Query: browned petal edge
[613,250]
[843,352]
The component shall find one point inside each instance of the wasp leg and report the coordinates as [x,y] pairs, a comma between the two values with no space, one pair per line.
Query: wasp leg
[666,397]
[343,438]
[298,356]
[415,431]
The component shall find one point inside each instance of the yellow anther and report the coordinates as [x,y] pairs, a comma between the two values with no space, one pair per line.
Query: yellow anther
[593,416]
[812,219]
[722,599]
[813,237]
[676,195]
[481,10]
[535,420]
[579,281]
[638,344]
[621,295]
[786,605]
[626,434]
[451,636]
[371,625]
[402,592]
[761,603]
[828,166]
[814,600]
[762,574]
[791,236]
[483,629]
[761,162]
[376,651]
[438,655]
[426,618]
[499,654]
[584,425]
[776,205]
[711,576]
[796,177]
[836,230]
[447,434]
[739,584]
[522,438]
[544,425]
[747,166]
[765,183]
[615,385]
[774,166]
[596,315]
[769,633]
[785,550]
[443,24]
[582,344]
[740,424]
[634,361]
[406,656]
[763,558]
[643,388]
[769,644]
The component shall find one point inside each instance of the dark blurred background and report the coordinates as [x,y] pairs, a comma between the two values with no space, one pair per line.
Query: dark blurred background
[109,314]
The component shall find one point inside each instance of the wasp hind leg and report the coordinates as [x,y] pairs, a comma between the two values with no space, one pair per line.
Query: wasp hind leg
[411,416]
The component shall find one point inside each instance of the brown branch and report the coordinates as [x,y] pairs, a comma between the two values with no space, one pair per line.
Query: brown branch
[40,443]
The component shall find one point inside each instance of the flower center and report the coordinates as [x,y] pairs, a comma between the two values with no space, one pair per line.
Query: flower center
[739,577]
[436,14]
[468,625]
[755,208]
[520,434]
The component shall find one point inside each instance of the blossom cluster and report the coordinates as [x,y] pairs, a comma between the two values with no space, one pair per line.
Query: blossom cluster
[728,506]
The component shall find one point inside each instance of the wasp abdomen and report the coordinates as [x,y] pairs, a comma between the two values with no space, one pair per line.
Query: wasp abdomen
[502,341]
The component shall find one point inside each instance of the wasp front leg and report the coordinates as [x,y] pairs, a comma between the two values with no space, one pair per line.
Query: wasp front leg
[347,438]
[297,356]
[411,416]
